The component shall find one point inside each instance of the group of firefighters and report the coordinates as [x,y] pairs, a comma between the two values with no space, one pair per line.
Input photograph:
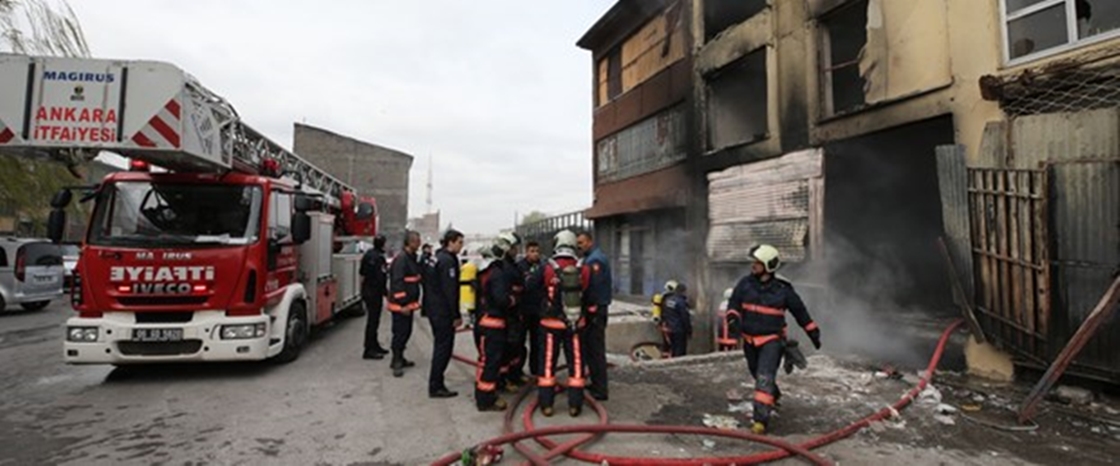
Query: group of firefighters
[556,305]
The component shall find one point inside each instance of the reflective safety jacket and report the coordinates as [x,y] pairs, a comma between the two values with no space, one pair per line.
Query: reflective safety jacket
[404,283]
[762,309]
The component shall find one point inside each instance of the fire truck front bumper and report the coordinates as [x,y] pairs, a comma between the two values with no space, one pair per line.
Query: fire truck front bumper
[116,338]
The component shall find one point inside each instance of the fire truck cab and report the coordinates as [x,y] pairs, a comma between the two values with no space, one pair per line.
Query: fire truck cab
[227,252]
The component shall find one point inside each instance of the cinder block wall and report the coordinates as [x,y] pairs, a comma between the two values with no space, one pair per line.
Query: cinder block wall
[371,169]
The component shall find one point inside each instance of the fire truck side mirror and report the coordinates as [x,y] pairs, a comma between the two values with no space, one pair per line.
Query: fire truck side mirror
[303,203]
[301,227]
[61,199]
[56,225]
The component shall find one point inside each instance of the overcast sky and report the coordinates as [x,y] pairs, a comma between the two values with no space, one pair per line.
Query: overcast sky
[495,90]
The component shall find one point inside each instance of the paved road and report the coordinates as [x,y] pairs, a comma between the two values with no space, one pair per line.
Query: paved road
[328,407]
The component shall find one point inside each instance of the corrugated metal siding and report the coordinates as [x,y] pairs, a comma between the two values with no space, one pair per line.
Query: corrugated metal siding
[1065,136]
[952,175]
[1086,206]
[652,144]
[763,202]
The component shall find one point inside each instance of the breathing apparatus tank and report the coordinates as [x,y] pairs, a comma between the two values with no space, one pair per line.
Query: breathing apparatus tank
[655,311]
[571,294]
[468,273]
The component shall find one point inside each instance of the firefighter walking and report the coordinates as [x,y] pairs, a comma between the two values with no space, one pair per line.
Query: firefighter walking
[564,324]
[498,301]
[762,299]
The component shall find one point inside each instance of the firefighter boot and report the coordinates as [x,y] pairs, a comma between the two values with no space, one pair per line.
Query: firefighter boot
[397,365]
[758,428]
[547,411]
[575,411]
[499,405]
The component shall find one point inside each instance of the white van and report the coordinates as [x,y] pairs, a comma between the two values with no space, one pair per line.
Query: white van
[30,273]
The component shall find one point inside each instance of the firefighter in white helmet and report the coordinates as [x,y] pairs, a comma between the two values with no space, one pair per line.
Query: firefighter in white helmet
[564,323]
[498,299]
[762,299]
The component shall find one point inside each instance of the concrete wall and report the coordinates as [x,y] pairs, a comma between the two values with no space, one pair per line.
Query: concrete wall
[372,170]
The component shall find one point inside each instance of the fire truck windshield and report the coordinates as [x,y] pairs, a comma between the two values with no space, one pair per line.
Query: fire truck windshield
[141,213]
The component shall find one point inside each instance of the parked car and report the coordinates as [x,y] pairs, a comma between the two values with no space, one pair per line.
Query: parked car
[30,273]
[70,253]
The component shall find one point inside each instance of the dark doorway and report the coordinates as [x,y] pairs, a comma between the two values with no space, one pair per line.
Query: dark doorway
[882,221]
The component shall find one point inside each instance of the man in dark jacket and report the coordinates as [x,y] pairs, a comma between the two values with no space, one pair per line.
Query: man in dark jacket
[762,299]
[373,271]
[405,275]
[441,292]
[532,303]
[601,291]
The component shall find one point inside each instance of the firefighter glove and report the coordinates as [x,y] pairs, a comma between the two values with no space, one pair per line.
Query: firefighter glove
[815,336]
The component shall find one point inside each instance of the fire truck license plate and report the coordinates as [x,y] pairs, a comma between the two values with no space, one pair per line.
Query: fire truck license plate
[157,334]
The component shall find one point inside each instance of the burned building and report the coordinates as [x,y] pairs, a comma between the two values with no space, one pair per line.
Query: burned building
[371,169]
[855,134]
[643,119]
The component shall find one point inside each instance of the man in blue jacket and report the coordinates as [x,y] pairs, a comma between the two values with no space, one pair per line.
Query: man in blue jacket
[600,292]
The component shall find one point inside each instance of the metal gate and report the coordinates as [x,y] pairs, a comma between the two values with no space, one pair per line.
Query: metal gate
[1008,209]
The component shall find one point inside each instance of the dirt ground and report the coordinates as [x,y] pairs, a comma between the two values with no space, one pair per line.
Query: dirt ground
[958,420]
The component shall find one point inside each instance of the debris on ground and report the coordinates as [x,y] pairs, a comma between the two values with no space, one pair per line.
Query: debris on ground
[734,395]
[720,421]
[1073,395]
[741,407]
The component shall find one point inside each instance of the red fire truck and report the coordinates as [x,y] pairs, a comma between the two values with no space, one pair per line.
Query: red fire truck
[218,244]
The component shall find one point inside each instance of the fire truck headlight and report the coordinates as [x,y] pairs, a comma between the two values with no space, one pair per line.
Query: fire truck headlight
[82,334]
[243,331]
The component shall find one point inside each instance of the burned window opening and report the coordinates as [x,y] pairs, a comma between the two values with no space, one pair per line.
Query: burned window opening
[719,15]
[842,42]
[738,103]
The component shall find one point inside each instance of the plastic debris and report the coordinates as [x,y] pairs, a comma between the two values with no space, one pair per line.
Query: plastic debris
[946,409]
[1073,395]
[944,419]
[742,407]
[931,395]
[709,444]
[720,421]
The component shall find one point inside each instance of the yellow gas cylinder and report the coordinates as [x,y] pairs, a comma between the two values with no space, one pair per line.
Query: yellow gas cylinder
[468,272]
[656,310]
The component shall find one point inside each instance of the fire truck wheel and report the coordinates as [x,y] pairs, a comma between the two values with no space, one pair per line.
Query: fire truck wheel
[34,305]
[295,335]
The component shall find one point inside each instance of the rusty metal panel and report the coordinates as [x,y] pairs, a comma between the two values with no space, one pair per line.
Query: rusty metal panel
[1086,213]
[764,202]
[652,144]
[1057,137]
[952,174]
[1011,250]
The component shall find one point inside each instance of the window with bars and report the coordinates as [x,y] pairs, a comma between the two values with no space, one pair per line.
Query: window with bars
[1036,28]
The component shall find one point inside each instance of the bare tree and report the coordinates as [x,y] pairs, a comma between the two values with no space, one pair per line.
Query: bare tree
[41,27]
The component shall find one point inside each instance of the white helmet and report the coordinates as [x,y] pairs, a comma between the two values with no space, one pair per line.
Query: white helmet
[727,293]
[503,243]
[565,239]
[671,286]
[768,256]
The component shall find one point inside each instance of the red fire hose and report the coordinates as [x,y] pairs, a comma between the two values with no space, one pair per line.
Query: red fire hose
[571,448]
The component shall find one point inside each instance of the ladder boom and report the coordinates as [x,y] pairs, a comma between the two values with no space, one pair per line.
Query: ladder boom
[74,108]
